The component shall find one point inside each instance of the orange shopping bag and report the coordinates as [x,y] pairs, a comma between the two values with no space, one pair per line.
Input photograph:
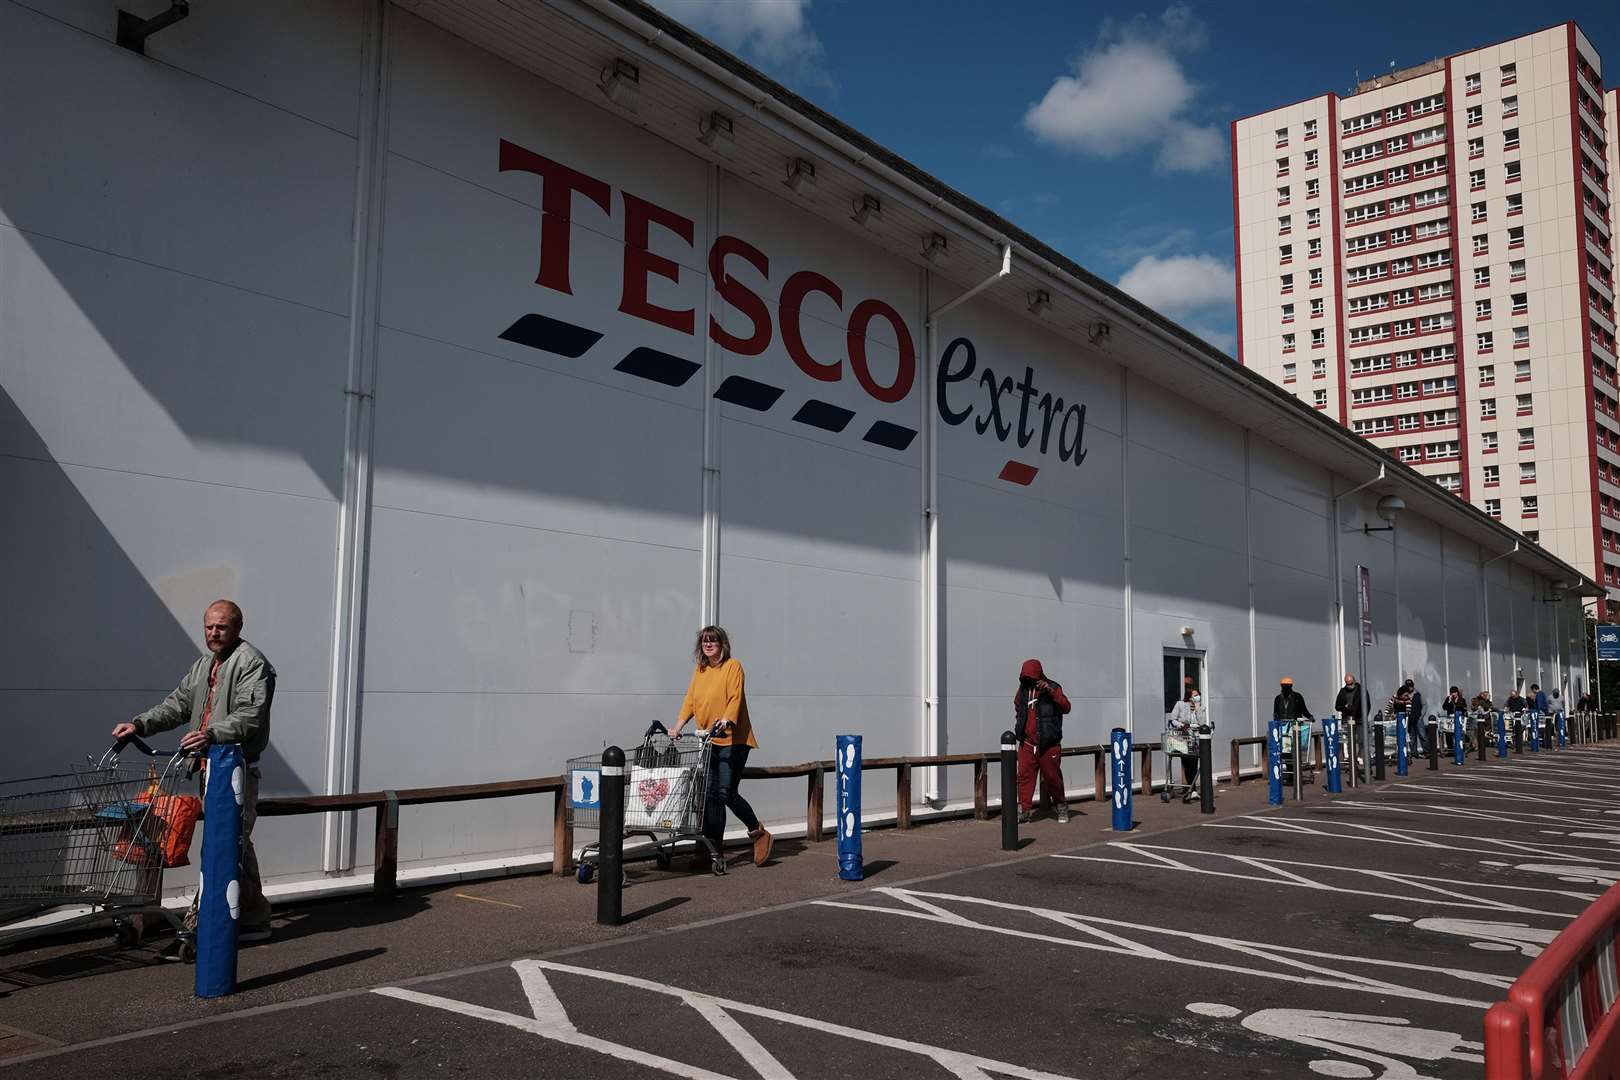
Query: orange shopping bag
[177,816]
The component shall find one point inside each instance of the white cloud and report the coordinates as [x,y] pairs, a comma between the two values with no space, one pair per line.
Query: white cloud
[1180,284]
[1190,148]
[775,34]
[1128,92]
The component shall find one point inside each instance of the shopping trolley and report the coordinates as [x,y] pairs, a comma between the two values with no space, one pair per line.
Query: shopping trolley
[666,782]
[99,835]
[1301,730]
[1178,744]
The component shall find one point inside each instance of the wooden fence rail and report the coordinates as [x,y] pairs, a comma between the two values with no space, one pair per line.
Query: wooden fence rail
[387,803]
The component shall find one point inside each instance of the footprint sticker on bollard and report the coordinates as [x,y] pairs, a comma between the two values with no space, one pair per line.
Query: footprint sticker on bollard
[849,824]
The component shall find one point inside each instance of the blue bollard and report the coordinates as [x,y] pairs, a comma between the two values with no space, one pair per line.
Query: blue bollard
[218,892]
[1501,734]
[1274,794]
[1330,741]
[848,750]
[1563,731]
[1535,733]
[1401,753]
[1457,736]
[1122,780]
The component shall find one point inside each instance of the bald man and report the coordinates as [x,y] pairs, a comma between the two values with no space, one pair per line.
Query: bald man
[224,698]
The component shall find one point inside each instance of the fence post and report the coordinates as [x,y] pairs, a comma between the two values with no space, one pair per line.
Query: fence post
[1121,745]
[902,797]
[1009,791]
[1147,770]
[813,804]
[1274,790]
[1378,750]
[1330,740]
[847,756]
[981,789]
[1518,733]
[1100,767]
[1237,763]
[1431,728]
[610,852]
[221,863]
[1206,766]
[562,834]
[1403,749]
[385,876]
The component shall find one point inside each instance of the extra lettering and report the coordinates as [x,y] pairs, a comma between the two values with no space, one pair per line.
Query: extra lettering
[958,364]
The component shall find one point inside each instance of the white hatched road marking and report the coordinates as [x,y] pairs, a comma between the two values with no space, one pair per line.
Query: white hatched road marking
[1353,1035]
[1423,884]
[1386,834]
[1465,812]
[1122,938]
[551,1022]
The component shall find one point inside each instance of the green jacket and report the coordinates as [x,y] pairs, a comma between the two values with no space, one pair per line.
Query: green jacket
[242,691]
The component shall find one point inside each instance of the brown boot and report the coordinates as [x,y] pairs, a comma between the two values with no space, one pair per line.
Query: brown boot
[762,844]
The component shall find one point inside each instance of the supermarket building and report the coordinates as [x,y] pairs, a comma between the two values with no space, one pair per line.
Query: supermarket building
[483,351]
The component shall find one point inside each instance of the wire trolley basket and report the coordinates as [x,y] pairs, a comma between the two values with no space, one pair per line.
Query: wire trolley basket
[99,835]
[666,783]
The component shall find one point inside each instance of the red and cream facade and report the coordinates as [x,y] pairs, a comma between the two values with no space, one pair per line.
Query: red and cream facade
[1430,261]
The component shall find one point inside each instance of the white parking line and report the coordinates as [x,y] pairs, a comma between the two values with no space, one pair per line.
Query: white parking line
[719,1012]
[1124,939]
[1424,888]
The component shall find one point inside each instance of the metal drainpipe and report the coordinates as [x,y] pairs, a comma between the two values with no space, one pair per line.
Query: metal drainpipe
[709,601]
[1338,572]
[930,659]
[354,515]
[1485,596]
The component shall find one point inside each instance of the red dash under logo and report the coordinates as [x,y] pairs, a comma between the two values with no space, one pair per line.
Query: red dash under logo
[1018,472]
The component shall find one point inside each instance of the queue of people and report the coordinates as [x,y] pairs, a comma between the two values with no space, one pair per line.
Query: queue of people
[226,696]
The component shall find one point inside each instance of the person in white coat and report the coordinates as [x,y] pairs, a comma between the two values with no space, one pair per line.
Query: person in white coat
[1185,719]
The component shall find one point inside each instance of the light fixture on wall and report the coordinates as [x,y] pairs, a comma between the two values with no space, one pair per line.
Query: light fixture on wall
[936,249]
[801,178]
[718,132]
[1040,302]
[1186,631]
[1097,333]
[621,82]
[868,212]
[1389,508]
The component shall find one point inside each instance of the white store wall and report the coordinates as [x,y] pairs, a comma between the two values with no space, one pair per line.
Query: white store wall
[174,348]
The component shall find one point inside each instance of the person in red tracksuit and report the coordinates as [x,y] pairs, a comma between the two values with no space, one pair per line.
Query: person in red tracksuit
[1038,709]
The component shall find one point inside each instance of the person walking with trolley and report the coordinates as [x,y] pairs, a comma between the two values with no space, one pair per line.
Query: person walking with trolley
[1039,706]
[224,698]
[716,703]
[1185,720]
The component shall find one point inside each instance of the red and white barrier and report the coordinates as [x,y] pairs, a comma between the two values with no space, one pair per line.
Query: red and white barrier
[1560,1020]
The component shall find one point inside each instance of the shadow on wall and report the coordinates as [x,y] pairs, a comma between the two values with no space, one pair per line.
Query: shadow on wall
[116,646]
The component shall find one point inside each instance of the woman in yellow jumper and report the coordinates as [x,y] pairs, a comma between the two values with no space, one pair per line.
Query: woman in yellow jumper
[715,703]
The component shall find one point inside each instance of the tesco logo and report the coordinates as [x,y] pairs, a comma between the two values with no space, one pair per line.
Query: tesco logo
[1002,407]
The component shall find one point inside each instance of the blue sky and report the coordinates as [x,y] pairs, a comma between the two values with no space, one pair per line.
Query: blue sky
[1103,131]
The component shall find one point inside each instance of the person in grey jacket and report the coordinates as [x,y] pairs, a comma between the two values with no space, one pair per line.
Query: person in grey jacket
[224,698]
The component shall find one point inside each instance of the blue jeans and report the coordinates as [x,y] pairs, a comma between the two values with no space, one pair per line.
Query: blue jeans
[726,765]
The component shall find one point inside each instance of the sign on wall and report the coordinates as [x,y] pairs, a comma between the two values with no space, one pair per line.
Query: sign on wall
[1608,642]
[1364,599]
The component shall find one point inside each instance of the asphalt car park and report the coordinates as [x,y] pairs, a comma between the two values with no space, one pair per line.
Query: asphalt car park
[1358,935]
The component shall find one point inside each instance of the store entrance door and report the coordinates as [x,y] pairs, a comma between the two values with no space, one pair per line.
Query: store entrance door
[1183,670]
